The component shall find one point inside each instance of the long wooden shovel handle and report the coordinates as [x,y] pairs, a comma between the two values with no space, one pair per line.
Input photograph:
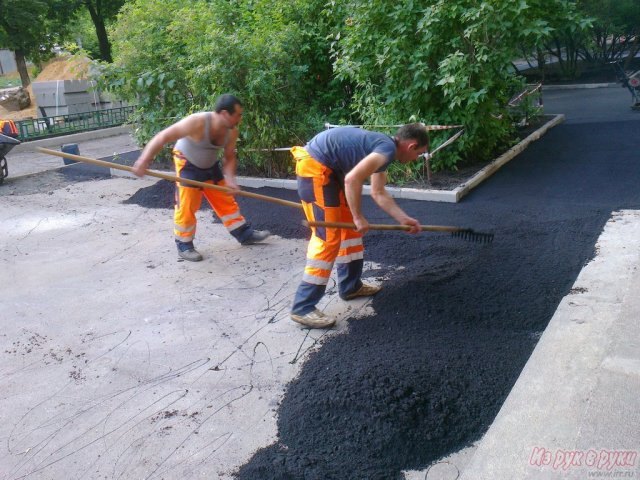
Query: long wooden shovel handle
[377,226]
[172,178]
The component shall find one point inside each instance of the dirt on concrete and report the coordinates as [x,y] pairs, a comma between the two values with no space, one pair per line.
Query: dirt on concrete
[51,180]
[120,360]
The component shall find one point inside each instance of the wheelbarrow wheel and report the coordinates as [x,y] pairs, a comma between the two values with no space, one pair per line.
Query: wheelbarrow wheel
[4,171]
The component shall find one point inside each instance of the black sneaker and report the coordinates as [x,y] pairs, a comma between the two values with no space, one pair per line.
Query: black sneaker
[186,251]
[256,237]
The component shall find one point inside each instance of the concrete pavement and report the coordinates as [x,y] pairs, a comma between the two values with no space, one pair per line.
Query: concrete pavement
[119,360]
[25,160]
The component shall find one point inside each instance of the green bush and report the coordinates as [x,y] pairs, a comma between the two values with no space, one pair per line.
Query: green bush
[440,62]
[173,58]
[299,64]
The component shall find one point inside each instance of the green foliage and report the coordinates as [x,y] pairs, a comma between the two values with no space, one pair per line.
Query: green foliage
[298,64]
[33,26]
[84,34]
[174,57]
[615,24]
[440,62]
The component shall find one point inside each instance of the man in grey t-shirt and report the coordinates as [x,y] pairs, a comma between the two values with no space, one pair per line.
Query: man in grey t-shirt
[331,170]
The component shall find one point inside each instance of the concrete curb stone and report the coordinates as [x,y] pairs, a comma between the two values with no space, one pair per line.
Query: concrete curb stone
[579,85]
[450,196]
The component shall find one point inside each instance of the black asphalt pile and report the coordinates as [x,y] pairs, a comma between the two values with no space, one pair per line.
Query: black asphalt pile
[158,195]
[454,327]
[280,220]
[456,321]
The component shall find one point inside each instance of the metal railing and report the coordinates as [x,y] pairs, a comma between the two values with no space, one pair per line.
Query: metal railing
[47,127]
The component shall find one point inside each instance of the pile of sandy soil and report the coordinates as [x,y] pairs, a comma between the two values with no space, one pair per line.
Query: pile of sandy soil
[59,68]
[64,68]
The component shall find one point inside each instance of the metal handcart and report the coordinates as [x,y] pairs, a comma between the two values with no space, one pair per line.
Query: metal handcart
[6,145]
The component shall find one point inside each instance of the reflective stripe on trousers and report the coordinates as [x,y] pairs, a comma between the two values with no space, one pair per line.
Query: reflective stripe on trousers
[323,199]
[189,199]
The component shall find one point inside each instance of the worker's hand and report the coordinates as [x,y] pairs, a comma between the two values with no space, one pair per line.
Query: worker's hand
[362,226]
[413,223]
[140,167]
[230,182]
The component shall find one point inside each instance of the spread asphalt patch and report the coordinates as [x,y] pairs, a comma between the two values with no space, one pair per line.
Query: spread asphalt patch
[280,220]
[456,321]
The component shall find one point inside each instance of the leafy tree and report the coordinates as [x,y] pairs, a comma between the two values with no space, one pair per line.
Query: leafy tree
[299,63]
[84,36]
[566,45]
[441,62]
[174,57]
[90,24]
[102,12]
[30,28]
[615,31]
[566,29]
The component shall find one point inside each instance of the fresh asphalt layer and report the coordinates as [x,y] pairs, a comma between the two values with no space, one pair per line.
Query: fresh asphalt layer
[456,321]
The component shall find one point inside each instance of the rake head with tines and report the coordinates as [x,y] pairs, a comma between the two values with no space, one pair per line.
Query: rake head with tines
[473,236]
[463,233]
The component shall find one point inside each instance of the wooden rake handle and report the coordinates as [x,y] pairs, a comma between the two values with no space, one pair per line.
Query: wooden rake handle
[377,226]
[463,233]
[173,178]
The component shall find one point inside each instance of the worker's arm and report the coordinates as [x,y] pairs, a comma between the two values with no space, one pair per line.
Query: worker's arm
[353,182]
[230,163]
[388,204]
[191,126]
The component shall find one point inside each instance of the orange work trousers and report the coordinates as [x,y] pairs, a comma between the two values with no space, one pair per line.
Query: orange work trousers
[189,199]
[322,194]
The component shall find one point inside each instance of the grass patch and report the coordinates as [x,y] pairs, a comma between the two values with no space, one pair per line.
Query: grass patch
[13,79]
[10,80]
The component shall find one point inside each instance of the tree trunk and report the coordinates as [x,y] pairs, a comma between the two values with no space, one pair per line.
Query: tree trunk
[101,32]
[22,68]
[541,63]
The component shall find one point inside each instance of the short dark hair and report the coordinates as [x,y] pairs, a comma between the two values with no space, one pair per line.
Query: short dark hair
[227,102]
[414,131]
